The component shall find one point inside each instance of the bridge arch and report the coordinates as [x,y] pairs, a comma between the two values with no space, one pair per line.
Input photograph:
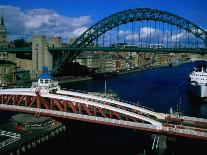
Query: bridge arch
[124,17]
[137,14]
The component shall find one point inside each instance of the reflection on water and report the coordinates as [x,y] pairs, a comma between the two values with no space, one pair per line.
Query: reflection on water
[198,106]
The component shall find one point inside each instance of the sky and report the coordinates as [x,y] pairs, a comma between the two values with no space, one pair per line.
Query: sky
[70,18]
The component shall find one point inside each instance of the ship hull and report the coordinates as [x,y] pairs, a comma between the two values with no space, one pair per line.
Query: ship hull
[199,90]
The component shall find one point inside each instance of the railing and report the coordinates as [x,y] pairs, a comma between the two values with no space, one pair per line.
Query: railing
[108,120]
[185,131]
[193,119]
[101,97]
[67,114]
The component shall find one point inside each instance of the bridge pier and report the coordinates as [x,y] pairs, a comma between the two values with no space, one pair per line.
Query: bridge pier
[159,144]
[23,149]
[40,55]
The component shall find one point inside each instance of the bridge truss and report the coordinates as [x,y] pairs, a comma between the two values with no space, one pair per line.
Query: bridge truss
[85,107]
[140,28]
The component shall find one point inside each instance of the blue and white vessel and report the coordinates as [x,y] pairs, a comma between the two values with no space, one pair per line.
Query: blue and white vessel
[198,80]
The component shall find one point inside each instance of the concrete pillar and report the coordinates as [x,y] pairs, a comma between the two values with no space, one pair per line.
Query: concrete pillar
[23,149]
[159,144]
[11,153]
[28,146]
[18,152]
[47,138]
[40,55]
[33,144]
[38,141]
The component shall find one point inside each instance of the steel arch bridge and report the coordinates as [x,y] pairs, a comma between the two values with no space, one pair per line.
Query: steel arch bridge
[132,15]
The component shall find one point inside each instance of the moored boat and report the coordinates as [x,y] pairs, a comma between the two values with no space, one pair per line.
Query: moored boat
[198,80]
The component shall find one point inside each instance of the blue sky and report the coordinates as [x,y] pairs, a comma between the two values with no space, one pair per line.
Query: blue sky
[86,12]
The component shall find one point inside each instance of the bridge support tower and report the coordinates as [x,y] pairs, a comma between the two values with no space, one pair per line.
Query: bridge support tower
[40,55]
[159,144]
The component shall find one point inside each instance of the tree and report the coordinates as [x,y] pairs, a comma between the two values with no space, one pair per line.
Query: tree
[21,43]
[8,78]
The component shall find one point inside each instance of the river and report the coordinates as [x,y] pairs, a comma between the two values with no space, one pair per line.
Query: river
[159,89]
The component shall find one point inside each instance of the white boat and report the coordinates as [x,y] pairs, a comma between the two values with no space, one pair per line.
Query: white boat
[198,80]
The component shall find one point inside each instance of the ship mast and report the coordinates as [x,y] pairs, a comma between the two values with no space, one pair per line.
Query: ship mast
[105,86]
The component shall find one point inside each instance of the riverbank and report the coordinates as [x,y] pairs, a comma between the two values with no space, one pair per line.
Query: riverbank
[142,69]
[72,79]
[61,80]
[147,68]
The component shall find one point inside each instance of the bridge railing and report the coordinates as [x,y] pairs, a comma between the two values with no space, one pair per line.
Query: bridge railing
[117,99]
[81,116]
[194,119]
[185,131]
[189,118]
[157,128]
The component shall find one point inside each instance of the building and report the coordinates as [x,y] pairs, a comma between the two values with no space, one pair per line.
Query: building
[40,55]
[7,72]
[3,34]
[90,60]
[55,41]
[25,64]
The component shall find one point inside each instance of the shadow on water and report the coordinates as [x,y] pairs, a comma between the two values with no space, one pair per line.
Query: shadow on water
[88,138]
[198,106]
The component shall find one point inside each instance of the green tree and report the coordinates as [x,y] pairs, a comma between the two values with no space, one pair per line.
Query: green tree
[21,43]
[8,78]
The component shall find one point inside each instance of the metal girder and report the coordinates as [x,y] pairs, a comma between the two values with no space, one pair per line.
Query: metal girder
[60,105]
[131,15]
[124,17]
[74,50]
[14,50]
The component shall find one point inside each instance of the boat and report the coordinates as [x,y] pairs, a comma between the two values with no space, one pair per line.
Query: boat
[198,80]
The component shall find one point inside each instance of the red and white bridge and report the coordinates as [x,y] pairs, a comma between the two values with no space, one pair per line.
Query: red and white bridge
[46,98]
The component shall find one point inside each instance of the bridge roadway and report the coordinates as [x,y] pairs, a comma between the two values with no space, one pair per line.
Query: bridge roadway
[110,49]
[86,107]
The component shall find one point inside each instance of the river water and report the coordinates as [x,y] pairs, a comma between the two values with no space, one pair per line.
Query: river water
[159,89]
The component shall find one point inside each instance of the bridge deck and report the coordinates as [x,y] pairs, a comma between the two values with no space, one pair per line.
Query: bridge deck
[150,120]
